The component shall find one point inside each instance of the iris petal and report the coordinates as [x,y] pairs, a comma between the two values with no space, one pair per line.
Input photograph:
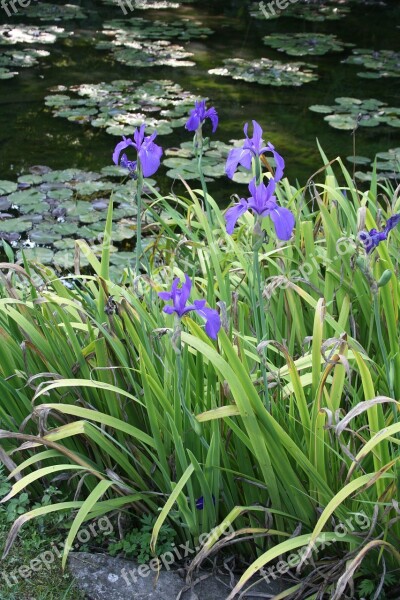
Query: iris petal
[150,158]
[193,122]
[261,196]
[233,214]
[119,147]
[199,114]
[257,137]
[283,221]
[236,157]
[185,292]
[279,162]
[139,136]
[213,321]
[165,295]
[212,115]
[392,222]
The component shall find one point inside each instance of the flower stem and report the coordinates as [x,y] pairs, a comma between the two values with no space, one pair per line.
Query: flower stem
[261,324]
[258,170]
[381,341]
[177,345]
[139,191]
[198,143]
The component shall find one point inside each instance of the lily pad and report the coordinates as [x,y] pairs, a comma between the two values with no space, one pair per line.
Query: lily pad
[128,30]
[28,34]
[29,196]
[7,74]
[123,259]
[43,256]
[55,207]
[7,187]
[64,260]
[267,72]
[302,44]
[359,160]
[387,166]
[52,12]
[349,113]
[4,203]
[16,225]
[327,10]
[146,4]
[181,161]
[378,63]
[121,105]
[148,53]
[42,237]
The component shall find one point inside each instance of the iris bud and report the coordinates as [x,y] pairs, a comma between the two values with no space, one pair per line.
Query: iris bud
[385,278]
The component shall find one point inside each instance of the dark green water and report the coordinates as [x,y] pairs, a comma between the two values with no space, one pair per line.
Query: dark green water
[30,135]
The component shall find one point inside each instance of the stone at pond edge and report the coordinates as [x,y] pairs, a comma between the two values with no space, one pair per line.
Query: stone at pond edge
[101,578]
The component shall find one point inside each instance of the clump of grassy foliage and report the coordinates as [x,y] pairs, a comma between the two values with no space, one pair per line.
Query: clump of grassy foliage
[291,421]
[46,583]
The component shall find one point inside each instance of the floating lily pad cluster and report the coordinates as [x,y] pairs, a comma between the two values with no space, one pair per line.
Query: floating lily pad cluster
[182,162]
[146,53]
[348,113]
[148,4]
[303,9]
[120,106]
[15,59]
[380,3]
[128,30]
[378,63]
[302,44]
[28,34]
[47,210]
[51,12]
[267,72]
[387,165]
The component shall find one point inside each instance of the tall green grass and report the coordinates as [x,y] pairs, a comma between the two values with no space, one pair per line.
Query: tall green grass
[291,420]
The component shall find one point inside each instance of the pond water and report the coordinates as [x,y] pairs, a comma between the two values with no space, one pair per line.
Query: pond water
[31,135]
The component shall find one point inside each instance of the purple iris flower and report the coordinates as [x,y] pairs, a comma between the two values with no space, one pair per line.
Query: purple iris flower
[148,152]
[372,238]
[253,147]
[200,502]
[199,114]
[180,296]
[263,203]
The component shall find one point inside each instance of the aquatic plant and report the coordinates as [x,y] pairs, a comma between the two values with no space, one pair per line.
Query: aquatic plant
[120,106]
[146,164]
[148,153]
[262,203]
[350,113]
[288,414]
[304,44]
[371,239]
[179,295]
[198,116]
[377,63]
[267,72]
[15,59]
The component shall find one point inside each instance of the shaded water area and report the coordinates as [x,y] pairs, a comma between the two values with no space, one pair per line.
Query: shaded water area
[30,135]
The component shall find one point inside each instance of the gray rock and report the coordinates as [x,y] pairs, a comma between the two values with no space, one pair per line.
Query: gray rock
[102,577]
